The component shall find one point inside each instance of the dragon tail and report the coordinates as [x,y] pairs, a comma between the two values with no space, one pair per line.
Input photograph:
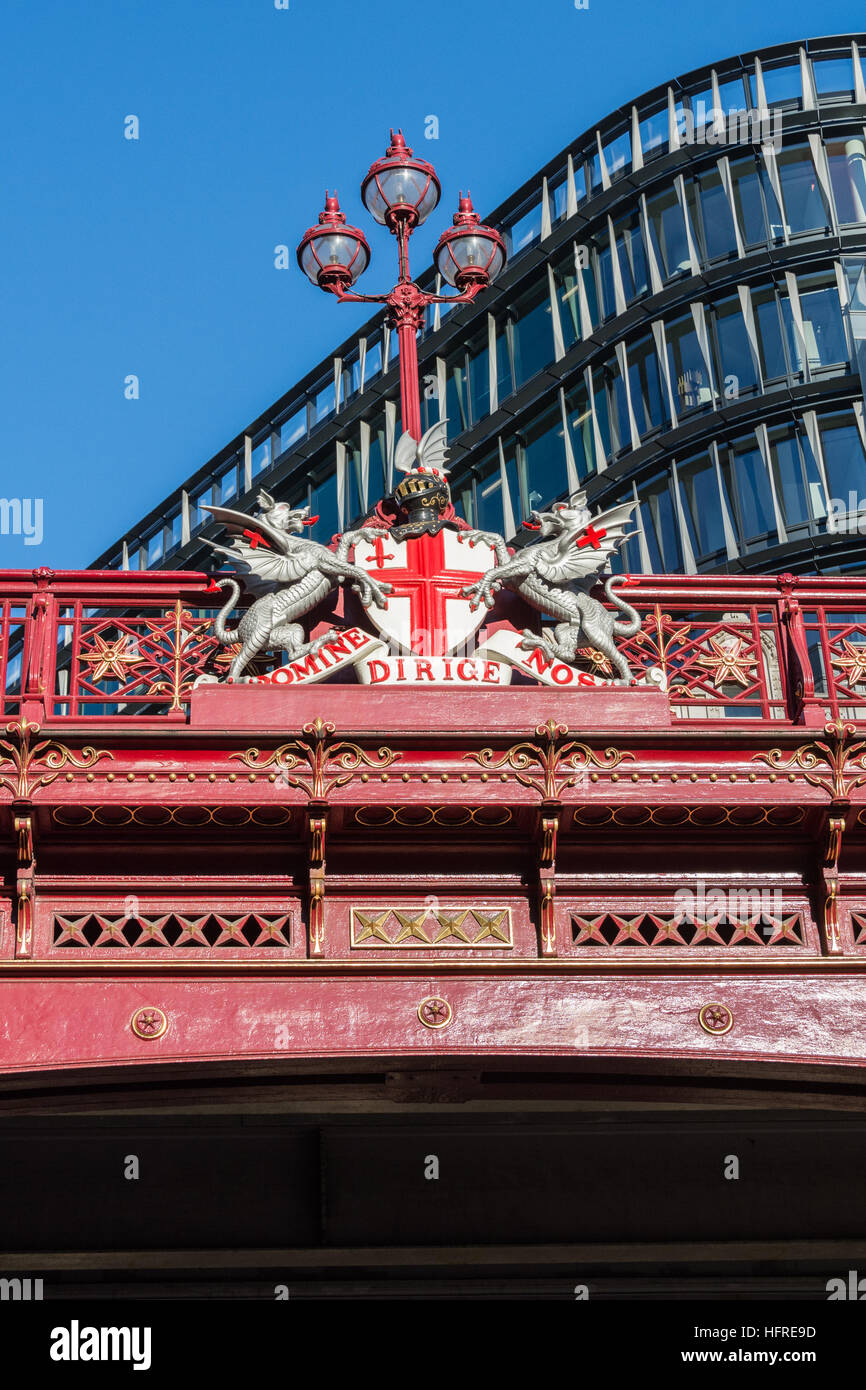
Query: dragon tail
[631,626]
[224,634]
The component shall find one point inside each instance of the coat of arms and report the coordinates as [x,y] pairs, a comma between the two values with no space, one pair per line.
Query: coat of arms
[427,581]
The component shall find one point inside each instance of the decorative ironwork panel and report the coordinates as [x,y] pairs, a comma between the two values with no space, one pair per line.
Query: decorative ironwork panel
[717,664]
[444,928]
[115,662]
[731,920]
[169,933]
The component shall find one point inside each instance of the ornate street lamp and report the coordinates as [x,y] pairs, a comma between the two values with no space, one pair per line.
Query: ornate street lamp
[400,192]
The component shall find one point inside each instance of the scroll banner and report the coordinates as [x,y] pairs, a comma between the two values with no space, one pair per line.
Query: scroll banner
[346,649]
[374,665]
[505,646]
[490,666]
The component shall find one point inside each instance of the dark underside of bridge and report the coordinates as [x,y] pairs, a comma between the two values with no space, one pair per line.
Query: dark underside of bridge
[530,1180]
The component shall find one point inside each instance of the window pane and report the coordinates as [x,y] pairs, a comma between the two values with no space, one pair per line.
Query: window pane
[261,457]
[544,460]
[373,362]
[616,388]
[632,262]
[781,85]
[847,160]
[558,201]
[833,76]
[734,350]
[617,155]
[718,225]
[202,499]
[648,397]
[526,230]
[155,548]
[489,501]
[532,335]
[176,524]
[456,403]
[293,429]
[565,279]
[774,363]
[687,367]
[822,325]
[804,206]
[700,497]
[660,527]
[654,133]
[733,95]
[504,379]
[843,455]
[748,201]
[479,380]
[790,481]
[755,500]
[324,403]
[354,500]
[605,269]
[599,391]
[378,484]
[702,106]
[323,503]
[579,417]
[669,233]
[228,484]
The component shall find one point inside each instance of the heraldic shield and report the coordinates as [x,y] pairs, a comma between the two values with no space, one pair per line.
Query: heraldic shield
[426,612]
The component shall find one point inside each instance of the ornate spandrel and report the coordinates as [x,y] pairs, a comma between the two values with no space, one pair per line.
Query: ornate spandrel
[319,763]
[25,766]
[552,764]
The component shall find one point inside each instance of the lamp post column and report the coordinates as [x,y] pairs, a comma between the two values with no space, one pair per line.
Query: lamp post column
[406,311]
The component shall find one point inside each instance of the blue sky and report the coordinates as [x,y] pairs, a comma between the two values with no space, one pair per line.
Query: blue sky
[155,257]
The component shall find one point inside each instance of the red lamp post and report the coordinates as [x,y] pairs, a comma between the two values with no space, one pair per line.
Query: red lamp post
[400,191]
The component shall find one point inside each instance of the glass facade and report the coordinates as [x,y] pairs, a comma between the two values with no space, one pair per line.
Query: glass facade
[695,341]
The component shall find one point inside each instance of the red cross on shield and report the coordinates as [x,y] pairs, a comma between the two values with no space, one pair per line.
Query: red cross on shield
[426,612]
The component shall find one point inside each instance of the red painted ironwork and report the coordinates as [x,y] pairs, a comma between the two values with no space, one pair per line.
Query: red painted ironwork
[292,872]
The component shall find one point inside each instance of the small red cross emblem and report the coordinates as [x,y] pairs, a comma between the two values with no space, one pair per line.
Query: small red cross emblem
[255,540]
[379,548]
[590,537]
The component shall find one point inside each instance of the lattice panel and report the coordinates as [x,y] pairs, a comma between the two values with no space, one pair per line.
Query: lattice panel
[114,663]
[442,928]
[713,663]
[171,932]
[671,929]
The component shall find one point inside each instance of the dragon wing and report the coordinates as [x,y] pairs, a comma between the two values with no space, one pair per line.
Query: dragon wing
[433,449]
[569,560]
[261,567]
[262,570]
[404,454]
[239,524]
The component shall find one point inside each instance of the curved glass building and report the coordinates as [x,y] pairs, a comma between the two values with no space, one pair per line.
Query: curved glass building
[682,320]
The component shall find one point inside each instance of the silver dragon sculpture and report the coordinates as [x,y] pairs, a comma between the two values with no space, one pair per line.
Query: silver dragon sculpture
[556,574]
[288,575]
